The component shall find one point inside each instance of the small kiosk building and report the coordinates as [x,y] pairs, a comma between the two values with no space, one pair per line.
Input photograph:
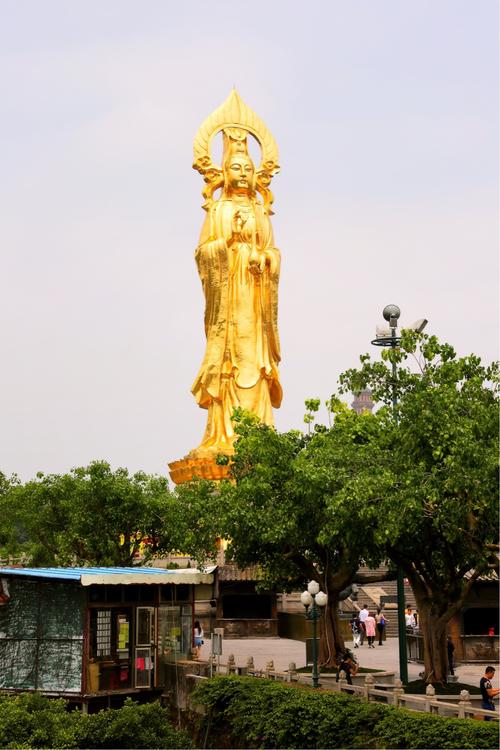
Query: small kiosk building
[87,633]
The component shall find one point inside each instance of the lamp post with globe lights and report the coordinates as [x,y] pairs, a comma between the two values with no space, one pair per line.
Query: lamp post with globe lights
[314,601]
[390,338]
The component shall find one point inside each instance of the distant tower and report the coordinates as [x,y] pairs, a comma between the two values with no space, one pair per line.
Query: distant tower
[363,401]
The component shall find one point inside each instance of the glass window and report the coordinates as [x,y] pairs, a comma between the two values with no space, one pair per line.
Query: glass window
[143,667]
[110,649]
[183,592]
[174,632]
[144,627]
[97,593]
[170,592]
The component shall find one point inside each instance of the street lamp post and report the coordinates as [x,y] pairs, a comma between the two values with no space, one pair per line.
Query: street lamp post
[391,314]
[314,600]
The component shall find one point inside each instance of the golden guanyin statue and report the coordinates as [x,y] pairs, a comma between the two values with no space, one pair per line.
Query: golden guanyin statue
[239,268]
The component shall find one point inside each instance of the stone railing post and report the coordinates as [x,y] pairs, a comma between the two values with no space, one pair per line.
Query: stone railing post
[398,692]
[342,680]
[369,680]
[231,664]
[269,668]
[250,664]
[292,672]
[430,695]
[463,703]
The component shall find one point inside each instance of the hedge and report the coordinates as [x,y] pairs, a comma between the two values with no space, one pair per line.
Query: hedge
[244,712]
[30,720]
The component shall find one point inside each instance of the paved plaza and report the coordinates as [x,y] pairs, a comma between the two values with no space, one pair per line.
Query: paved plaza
[283,650]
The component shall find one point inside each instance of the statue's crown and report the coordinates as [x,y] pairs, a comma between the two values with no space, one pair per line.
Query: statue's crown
[236,121]
[234,142]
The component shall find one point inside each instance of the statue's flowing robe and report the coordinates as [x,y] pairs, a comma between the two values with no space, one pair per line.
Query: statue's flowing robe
[240,366]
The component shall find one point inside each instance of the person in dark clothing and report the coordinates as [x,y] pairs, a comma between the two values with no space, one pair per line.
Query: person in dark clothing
[488,692]
[349,665]
[381,625]
[356,629]
[450,647]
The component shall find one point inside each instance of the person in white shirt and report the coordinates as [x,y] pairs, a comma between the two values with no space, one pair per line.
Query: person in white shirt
[198,639]
[362,617]
[410,619]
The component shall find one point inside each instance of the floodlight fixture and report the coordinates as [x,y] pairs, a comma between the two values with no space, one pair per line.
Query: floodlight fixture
[391,313]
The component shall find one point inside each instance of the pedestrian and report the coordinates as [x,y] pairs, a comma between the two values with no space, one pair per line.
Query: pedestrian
[370,629]
[381,625]
[198,639]
[362,617]
[348,664]
[450,647]
[409,619]
[356,629]
[488,692]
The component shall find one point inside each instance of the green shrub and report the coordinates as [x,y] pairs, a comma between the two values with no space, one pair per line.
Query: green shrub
[406,729]
[30,720]
[244,712]
[134,725]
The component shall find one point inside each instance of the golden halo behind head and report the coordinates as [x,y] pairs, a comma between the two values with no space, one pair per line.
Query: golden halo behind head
[233,116]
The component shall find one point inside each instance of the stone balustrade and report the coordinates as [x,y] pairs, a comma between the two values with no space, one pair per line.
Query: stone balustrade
[372,689]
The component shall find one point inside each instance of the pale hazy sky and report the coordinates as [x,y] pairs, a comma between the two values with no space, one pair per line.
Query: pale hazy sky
[386,116]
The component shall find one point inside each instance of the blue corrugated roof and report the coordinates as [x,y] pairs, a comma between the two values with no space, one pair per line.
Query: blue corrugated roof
[75,574]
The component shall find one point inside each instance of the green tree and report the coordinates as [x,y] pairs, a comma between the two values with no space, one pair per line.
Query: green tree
[286,509]
[438,499]
[89,516]
[11,541]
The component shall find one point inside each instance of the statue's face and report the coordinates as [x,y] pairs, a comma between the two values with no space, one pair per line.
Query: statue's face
[239,174]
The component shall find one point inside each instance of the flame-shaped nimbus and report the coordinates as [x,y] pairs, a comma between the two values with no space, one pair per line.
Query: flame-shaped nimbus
[234,113]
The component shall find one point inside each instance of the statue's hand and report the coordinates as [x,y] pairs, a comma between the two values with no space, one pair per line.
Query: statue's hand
[259,260]
[255,268]
[237,225]
[256,262]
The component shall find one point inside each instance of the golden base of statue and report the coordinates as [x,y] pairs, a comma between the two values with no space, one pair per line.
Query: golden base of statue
[191,467]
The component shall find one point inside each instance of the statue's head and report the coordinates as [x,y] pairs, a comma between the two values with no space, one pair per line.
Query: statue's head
[237,166]
[239,174]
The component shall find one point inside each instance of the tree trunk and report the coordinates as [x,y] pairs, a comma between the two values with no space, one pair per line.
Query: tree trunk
[433,629]
[435,610]
[331,640]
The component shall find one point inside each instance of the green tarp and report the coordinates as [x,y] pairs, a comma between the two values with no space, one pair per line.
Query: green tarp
[41,636]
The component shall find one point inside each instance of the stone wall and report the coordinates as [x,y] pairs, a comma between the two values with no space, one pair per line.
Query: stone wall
[234,628]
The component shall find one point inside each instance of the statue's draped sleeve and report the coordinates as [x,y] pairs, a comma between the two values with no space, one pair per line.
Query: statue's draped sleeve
[213,267]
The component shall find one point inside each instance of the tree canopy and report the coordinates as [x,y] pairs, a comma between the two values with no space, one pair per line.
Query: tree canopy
[420,490]
[440,506]
[88,516]
[287,508]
